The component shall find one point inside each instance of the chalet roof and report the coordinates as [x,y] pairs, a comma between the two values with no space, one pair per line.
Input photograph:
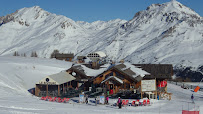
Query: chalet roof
[164,71]
[88,71]
[58,78]
[98,54]
[131,70]
[57,55]
[113,78]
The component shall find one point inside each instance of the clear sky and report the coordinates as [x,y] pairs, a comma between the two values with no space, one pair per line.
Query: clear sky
[92,10]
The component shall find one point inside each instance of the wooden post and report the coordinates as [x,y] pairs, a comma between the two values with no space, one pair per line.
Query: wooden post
[166,86]
[114,74]
[156,88]
[47,90]
[141,90]
[37,90]
[63,89]
[58,90]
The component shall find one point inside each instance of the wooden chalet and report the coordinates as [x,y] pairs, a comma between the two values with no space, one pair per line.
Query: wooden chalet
[53,85]
[160,72]
[120,77]
[78,72]
[63,56]
[84,74]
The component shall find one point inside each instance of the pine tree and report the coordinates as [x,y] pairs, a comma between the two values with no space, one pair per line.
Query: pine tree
[34,54]
[16,54]
[24,55]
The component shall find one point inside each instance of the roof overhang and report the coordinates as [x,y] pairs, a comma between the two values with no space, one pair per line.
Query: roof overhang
[57,79]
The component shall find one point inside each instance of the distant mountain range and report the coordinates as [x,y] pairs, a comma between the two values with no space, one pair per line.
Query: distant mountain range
[168,33]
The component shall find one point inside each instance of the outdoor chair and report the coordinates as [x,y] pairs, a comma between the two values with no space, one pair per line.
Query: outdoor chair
[46,98]
[133,103]
[67,100]
[50,99]
[137,103]
[54,99]
[140,102]
[126,102]
[59,99]
[42,98]
[123,102]
[148,101]
[63,100]
[144,102]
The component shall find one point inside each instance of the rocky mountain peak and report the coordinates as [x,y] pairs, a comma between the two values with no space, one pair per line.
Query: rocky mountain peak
[170,12]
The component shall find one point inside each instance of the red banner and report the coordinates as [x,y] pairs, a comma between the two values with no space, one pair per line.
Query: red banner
[190,112]
[162,84]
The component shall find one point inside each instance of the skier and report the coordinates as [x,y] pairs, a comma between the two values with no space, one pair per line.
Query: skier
[86,100]
[192,98]
[119,102]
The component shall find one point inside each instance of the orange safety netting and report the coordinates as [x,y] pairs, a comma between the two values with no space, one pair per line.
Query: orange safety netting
[196,89]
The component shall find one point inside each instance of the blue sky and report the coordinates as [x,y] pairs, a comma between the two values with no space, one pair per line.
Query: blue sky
[92,10]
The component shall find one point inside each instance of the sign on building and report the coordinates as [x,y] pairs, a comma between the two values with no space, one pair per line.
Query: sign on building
[101,99]
[82,99]
[148,85]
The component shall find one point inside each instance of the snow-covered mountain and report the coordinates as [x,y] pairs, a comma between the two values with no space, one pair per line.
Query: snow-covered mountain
[163,33]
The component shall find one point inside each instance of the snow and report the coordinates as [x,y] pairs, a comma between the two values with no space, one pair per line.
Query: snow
[94,72]
[168,33]
[119,80]
[137,71]
[23,68]
[18,74]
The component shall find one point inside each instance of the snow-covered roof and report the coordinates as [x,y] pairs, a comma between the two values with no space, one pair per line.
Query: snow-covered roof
[98,54]
[57,79]
[92,72]
[113,77]
[136,70]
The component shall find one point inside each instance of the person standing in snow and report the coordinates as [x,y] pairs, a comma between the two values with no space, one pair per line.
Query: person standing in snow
[192,98]
[107,100]
[86,99]
[119,102]
[95,101]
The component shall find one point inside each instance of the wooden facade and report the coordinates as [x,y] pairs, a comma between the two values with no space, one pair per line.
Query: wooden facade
[125,77]
[158,71]
[128,82]
[63,56]
[53,85]
[81,77]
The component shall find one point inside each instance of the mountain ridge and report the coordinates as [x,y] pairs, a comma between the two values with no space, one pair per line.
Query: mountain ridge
[163,33]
